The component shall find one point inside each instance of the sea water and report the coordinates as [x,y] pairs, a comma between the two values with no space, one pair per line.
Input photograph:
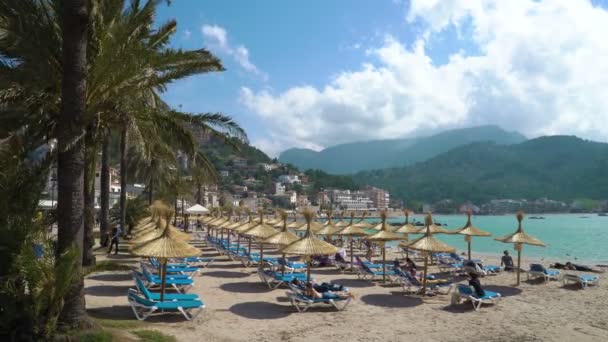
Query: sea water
[568,237]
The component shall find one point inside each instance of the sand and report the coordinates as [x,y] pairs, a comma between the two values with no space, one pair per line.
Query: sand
[239,307]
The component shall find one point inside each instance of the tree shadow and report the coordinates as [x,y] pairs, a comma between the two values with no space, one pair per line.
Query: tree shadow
[391,300]
[226,274]
[260,310]
[115,312]
[121,256]
[245,287]
[111,277]
[505,291]
[353,282]
[107,291]
[214,265]
[327,271]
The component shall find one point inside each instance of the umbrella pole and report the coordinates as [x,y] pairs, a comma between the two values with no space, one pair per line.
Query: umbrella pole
[518,262]
[238,243]
[283,268]
[383,261]
[261,263]
[351,254]
[163,279]
[249,247]
[469,247]
[308,269]
[426,264]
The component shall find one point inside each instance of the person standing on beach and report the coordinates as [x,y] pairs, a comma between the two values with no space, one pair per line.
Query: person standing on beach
[116,232]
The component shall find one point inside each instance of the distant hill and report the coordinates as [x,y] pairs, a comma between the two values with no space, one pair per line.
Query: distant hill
[558,167]
[380,154]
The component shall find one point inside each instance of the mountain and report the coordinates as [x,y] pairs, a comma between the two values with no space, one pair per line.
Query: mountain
[558,167]
[380,154]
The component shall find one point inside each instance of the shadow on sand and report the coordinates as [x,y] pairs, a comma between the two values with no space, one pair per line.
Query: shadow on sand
[245,287]
[226,274]
[353,282]
[260,310]
[391,300]
[505,291]
[107,290]
[125,313]
[112,276]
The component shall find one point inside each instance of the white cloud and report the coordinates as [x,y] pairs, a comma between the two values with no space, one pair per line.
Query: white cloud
[187,34]
[217,36]
[541,67]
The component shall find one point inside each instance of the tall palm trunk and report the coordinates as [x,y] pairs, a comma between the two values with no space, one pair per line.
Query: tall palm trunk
[90,165]
[151,183]
[104,184]
[199,193]
[70,157]
[124,140]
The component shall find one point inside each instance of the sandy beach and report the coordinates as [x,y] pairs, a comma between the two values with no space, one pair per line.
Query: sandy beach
[239,307]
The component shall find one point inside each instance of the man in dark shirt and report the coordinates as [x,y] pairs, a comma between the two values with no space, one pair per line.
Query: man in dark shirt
[507,261]
[476,284]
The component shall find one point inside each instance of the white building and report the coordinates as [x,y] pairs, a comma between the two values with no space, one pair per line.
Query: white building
[289,179]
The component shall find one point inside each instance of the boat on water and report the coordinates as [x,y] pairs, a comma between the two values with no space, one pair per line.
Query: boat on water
[602,214]
[536,218]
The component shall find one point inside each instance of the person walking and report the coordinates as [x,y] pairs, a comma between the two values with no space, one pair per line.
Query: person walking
[116,232]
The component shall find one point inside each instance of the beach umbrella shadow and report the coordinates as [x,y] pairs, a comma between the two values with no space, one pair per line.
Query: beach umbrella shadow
[260,310]
[391,301]
[107,290]
[115,312]
[112,277]
[353,282]
[505,291]
[226,274]
[245,287]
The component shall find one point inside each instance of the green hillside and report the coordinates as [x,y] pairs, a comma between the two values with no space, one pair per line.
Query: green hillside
[380,154]
[558,167]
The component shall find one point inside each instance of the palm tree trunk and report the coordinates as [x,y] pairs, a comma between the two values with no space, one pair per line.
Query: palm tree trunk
[70,157]
[199,193]
[124,140]
[104,213]
[90,165]
[150,192]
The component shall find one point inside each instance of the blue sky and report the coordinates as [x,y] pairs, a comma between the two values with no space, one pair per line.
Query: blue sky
[300,72]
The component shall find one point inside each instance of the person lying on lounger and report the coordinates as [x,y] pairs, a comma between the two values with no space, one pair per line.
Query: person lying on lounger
[574,267]
[323,287]
[312,293]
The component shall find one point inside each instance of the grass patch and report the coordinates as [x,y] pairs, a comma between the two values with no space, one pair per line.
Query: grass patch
[119,323]
[96,336]
[107,265]
[153,336]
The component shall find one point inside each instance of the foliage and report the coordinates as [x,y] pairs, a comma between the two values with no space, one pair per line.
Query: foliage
[557,167]
[137,209]
[96,336]
[107,265]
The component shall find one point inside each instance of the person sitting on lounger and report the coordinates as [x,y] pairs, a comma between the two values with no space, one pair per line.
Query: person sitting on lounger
[312,293]
[476,284]
[574,267]
[323,287]
[507,261]
[410,266]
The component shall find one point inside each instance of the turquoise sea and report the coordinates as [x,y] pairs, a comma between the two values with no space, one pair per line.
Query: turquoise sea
[567,236]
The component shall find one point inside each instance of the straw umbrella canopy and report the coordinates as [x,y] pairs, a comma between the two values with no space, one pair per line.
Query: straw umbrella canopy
[309,245]
[352,230]
[244,226]
[284,237]
[261,231]
[342,223]
[329,228]
[428,244]
[382,237]
[165,246]
[520,238]
[362,223]
[469,230]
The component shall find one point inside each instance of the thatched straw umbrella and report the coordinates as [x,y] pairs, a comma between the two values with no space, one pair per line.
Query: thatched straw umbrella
[342,223]
[406,229]
[428,244]
[284,237]
[250,223]
[469,231]
[261,231]
[329,228]
[163,247]
[352,230]
[518,239]
[362,223]
[381,237]
[309,245]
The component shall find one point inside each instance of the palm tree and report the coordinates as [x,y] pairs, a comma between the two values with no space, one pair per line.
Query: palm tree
[70,157]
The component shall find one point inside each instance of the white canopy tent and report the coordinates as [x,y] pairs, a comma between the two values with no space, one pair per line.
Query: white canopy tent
[197,209]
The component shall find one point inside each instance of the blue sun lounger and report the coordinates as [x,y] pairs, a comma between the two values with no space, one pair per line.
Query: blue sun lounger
[156,296]
[154,273]
[274,279]
[583,279]
[366,272]
[144,308]
[176,268]
[302,302]
[466,292]
[181,285]
[539,271]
